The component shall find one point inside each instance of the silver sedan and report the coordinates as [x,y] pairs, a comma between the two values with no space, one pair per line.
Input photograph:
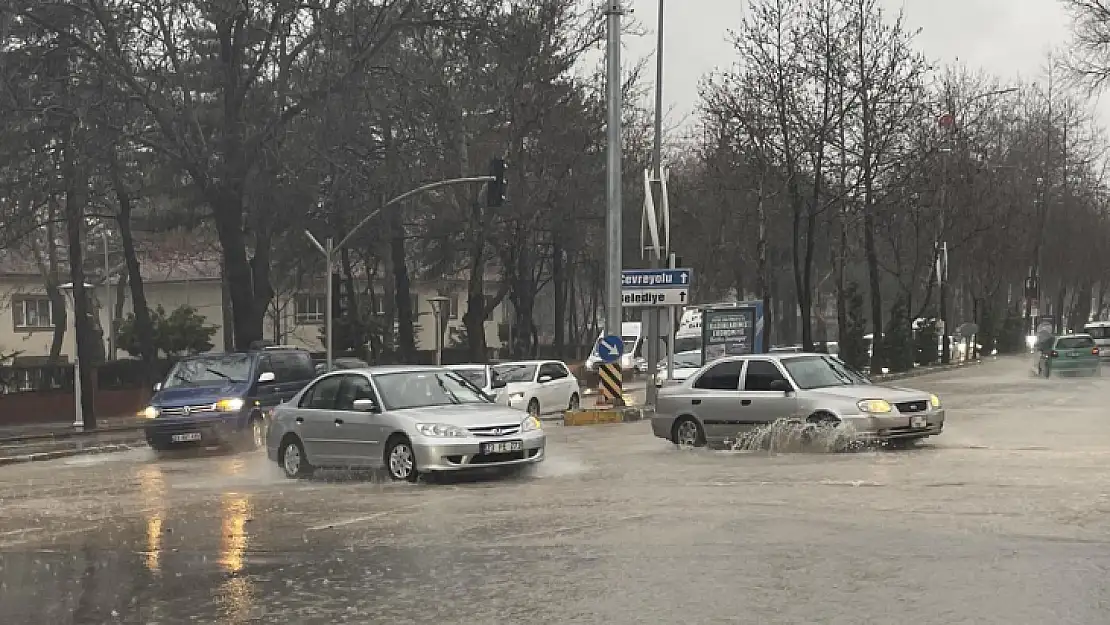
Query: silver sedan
[731,396]
[410,420]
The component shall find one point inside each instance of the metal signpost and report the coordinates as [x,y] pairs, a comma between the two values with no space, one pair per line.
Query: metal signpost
[613,259]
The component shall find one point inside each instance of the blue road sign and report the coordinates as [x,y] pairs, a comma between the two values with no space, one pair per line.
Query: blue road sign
[634,279]
[610,348]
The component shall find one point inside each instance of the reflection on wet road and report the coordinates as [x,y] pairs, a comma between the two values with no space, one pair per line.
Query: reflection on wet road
[1003,519]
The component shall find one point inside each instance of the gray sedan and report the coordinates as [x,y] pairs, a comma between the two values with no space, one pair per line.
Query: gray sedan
[734,395]
[411,420]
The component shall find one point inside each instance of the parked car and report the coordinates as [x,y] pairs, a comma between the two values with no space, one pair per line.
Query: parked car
[685,365]
[1100,332]
[733,395]
[409,420]
[540,386]
[486,379]
[1072,353]
[224,398]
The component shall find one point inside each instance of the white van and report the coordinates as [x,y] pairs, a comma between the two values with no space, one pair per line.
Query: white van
[1100,332]
[632,359]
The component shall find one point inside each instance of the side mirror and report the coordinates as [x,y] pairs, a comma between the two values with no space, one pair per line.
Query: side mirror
[157,386]
[781,386]
[266,377]
[545,378]
[365,405]
[498,383]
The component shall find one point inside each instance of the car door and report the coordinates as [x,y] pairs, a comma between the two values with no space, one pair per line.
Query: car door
[550,392]
[759,404]
[315,422]
[715,399]
[568,383]
[361,431]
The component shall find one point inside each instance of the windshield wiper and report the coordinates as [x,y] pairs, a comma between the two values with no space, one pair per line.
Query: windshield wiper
[454,398]
[220,374]
[177,375]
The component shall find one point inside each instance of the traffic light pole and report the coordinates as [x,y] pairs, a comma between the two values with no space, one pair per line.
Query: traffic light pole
[329,247]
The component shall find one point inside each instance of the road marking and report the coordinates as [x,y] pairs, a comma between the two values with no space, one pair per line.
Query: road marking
[376,515]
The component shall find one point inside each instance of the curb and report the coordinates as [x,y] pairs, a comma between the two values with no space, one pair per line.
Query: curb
[605,416]
[892,377]
[65,453]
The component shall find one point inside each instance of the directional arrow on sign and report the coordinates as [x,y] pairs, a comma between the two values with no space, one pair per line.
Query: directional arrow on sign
[610,348]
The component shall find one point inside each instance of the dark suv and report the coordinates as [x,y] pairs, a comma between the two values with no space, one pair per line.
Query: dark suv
[224,398]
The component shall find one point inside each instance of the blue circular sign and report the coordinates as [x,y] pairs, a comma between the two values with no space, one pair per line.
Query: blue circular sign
[610,348]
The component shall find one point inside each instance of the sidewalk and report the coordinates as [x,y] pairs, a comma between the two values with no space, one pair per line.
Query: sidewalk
[12,452]
[64,430]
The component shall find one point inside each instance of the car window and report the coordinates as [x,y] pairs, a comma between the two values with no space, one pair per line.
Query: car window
[323,394]
[354,386]
[1074,342]
[477,377]
[209,370]
[516,372]
[810,372]
[292,366]
[724,376]
[760,374]
[555,371]
[1098,332]
[419,389]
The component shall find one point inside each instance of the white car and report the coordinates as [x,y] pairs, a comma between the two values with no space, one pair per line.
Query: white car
[539,386]
[486,379]
[686,364]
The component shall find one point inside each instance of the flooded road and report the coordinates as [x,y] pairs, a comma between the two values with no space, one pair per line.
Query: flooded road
[1005,518]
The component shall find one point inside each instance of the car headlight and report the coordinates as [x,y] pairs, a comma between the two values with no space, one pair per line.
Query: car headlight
[150,412]
[229,405]
[530,424]
[874,406]
[934,401]
[516,397]
[441,430]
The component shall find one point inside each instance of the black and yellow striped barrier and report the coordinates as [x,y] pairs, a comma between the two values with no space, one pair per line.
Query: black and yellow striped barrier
[610,381]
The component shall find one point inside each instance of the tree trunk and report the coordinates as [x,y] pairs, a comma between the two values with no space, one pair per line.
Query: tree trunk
[474,319]
[558,283]
[406,341]
[77,185]
[227,209]
[144,329]
[875,289]
[763,283]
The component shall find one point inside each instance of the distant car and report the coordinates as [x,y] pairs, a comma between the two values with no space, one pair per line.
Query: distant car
[409,420]
[1100,332]
[685,365]
[486,379]
[341,363]
[1072,353]
[540,386]
[733,395]
[224,398]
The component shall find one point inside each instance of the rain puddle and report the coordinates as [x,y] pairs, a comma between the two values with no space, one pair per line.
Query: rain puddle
[793,436]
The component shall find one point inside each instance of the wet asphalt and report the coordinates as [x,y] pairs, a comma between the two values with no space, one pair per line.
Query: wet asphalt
[1002,519]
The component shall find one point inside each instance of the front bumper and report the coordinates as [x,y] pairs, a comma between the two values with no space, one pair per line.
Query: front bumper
[895,426]
[437,454]
[216,428]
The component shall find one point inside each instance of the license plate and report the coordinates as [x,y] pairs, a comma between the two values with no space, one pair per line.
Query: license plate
[1073,355]
[918,422]
[502,447]
[185,438]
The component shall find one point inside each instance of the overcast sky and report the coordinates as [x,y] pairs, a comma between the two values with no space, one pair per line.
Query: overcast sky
[1008,38]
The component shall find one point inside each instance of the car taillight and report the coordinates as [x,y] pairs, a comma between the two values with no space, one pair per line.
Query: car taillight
[1054,354]
[1094,352]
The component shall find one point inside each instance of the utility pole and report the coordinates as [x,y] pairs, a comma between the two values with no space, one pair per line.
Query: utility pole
[657,254]
[613,260]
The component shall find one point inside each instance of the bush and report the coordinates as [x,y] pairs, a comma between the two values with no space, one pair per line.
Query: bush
[853,347]
[925,343]
[182,332]
[898,342]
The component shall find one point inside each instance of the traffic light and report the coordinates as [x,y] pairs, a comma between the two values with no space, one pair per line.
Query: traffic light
[336,296]
[495,189]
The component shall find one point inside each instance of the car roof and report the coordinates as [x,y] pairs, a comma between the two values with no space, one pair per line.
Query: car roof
[384,369]
[528,362]
[1077,335]
[781,356]
[467,366]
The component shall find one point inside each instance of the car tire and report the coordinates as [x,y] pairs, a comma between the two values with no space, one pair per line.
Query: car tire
[575,403]
[817,426]
[254,436]
[400,460]
[292,458]
[534,408]
[688,432]
[902,443]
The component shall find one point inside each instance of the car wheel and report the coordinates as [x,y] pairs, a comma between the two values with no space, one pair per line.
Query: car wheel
[574,402]
[293,459]
[688,432]
[902,443]
[818,427]
[255,435]
[534,408]
[400,460]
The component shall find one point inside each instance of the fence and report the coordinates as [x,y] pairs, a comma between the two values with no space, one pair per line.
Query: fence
[44,394]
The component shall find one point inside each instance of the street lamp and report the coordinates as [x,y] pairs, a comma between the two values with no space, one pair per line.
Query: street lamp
[78,413]
[437,303]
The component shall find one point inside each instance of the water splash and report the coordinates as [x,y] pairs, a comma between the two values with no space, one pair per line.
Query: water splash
[794,435]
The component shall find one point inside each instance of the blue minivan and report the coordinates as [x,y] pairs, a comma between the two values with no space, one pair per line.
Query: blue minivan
[224,399]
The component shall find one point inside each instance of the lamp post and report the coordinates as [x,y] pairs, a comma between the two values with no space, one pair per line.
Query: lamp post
[78,412]
[437,303]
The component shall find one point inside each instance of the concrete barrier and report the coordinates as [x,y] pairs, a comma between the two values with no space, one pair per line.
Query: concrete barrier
[600,416]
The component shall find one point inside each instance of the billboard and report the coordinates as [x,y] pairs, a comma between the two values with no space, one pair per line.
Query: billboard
[728,332]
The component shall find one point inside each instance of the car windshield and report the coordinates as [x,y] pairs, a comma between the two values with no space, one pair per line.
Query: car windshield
[477,377]
[421,389]
[516,373]
[210,370]
[819,372]
[1075,342]
[1098,332]
[687,361]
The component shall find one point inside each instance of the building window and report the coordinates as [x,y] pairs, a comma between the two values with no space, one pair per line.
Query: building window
[452,306]
[310,309]
[32,313]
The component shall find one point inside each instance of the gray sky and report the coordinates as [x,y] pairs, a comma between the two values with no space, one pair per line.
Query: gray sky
[1007,38]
